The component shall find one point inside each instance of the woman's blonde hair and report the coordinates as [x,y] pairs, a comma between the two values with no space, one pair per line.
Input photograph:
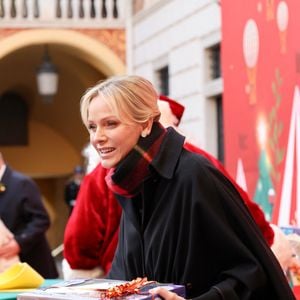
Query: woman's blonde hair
[132,98]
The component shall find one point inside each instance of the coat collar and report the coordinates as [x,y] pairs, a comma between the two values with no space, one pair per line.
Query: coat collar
[166,160]
[164,164]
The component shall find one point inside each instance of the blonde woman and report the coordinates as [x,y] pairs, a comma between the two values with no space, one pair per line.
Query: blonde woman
[183,221]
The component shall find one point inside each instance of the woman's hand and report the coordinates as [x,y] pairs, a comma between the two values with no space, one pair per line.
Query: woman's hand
[11,248]
[165,294]
[5,234]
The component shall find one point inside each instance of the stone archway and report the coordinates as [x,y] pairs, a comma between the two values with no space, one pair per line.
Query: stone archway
[87,48]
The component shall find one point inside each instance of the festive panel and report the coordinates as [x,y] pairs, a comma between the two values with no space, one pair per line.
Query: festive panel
[261,71]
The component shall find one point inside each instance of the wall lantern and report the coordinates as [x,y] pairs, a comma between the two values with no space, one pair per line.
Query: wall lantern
[47,78]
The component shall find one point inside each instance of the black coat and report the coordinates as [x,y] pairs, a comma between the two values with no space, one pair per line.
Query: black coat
[189,226]
[23,212]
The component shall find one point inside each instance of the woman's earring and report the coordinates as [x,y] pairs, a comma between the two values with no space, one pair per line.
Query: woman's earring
[143,134]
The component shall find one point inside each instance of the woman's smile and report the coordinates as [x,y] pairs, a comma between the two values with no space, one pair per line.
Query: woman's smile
[106,152]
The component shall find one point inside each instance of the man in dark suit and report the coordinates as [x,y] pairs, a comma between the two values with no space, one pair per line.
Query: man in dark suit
[72,187]
[23,213]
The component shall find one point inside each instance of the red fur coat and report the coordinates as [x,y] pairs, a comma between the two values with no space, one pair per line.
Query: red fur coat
[91,234]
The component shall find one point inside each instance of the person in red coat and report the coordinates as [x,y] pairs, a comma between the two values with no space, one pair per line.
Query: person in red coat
[91,234]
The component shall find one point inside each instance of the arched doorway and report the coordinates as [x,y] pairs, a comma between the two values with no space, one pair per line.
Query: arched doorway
[56,134]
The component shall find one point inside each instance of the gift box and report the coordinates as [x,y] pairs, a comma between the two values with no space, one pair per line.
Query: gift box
[290,229]
[105,289]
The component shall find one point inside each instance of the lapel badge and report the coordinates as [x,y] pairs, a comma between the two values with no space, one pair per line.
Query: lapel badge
[2,188]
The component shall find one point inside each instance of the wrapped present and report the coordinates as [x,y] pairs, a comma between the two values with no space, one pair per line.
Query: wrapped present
[105,289]
[20,276]
[290,230]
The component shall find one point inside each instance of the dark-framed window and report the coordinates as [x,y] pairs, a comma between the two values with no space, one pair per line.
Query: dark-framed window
[13,120]
[213,55]
[163,80]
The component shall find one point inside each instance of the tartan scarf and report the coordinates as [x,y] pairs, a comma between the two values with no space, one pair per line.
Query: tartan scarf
[127,178]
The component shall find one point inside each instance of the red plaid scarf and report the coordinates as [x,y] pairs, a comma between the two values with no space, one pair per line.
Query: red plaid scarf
[127,178]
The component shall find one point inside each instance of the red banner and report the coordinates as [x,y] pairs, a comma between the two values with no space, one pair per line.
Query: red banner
[261,71]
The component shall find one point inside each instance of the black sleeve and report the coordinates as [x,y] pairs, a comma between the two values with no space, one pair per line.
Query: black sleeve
[35,220]
[252,267]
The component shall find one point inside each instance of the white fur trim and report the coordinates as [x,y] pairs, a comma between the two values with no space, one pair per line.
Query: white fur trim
[69,273]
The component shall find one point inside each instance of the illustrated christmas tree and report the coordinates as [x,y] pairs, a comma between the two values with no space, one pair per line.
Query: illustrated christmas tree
[269,131]
[264,187]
